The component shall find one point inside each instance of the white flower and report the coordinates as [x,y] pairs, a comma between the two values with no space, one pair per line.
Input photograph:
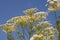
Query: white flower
[36,36]
[51,9]
[50,37]
[48,0]
[51,2]
[41,13]
[55,0]
[14,19]
[45,23]
[54,5]
[9,27]
[51,30]
[30,11]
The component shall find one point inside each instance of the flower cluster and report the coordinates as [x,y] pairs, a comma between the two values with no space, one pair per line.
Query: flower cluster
[8,28]
[23,20]
[35,21]
[45,23]
[54,5]
[52,1]
[31,18]
[50,31]
[37,16]
[30,11]
[36,37]
[41,15]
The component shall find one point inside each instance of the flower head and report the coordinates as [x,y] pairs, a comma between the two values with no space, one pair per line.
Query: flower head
[51,30]
[14,19]
[45,23]
[54,5]
[30,11]
[42,15]
[8,28]
[52,0]
[36,37]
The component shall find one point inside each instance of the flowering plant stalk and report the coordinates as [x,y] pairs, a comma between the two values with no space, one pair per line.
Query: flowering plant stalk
[33,24]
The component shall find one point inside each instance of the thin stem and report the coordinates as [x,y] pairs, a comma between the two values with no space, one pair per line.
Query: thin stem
[30,32]
[20,35]
[55,16]
[57,25]
[55,19]
[9,36]
[23,34]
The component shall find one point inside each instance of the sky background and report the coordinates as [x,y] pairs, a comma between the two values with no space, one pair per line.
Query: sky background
[13,8]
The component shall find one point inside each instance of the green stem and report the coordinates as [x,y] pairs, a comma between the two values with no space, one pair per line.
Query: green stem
[31,31]
[9,36]
[57,25]
[23,34]
[20,36]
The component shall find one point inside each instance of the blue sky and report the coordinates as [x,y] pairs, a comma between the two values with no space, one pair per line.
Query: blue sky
[12,8]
